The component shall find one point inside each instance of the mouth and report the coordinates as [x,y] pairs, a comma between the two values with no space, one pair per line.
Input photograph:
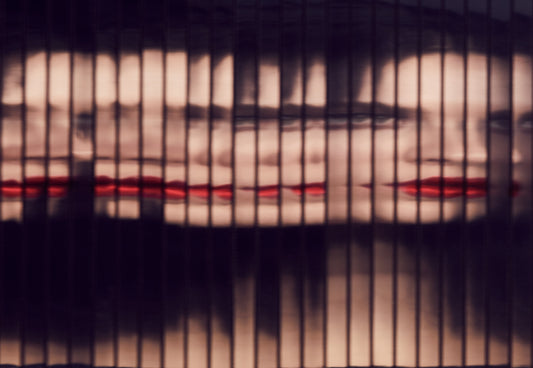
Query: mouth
[146,186]
[449,187]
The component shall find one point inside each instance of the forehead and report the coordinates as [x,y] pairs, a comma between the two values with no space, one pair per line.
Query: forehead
[437,77]
[75,76]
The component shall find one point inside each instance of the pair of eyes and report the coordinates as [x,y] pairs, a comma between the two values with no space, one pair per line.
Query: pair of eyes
[377,121]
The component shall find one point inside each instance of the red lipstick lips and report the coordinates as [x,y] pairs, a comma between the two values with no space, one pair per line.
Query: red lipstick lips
[147,186]
[449,187]
[436,187]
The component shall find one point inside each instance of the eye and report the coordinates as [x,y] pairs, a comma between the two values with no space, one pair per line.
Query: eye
[379,121]
[500,125]
[526,125]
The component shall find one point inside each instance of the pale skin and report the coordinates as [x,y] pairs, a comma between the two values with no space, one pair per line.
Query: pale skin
[222,163]
[268,136]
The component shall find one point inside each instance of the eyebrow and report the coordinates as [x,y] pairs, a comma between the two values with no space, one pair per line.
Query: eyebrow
[379,108]
[247,111]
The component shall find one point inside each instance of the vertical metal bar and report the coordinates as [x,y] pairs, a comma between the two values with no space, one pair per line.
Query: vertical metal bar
[3,72]
[92,182]
[24,240]
[442,232]
[396,56]
[302,240]
[234,253]
[187,235]
[279,245]
[140,198]
[327,61]
[510,239]
[164,233]
[71,231]
[349,207]
[371,259]
[530,189]
[464,219]
[487,243]
[419,159]
[46,253]
[257,241]
[210,199]
[116,196]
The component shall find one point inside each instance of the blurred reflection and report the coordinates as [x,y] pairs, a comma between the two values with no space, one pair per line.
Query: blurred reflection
[212,170]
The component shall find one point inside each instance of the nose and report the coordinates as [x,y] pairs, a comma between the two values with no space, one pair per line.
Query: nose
[453,143]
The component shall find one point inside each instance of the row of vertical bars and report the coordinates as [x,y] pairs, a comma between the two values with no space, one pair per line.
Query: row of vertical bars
[245,299]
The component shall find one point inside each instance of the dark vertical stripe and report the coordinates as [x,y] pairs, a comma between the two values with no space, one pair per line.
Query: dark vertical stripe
[487,242]
[279,245]
[442,232]
[395,193]
[210,243]
[350,236]
[302,237]
[24,240]
[419,160]
[234,253]
[164,234]
[47,248]
[118,235]
[71,203]
[464,219]
[257,236]
[530,189]
[510,239]
[324,247]
[93,268]
[187,235]
[3,72]
[371,259]
[140,240]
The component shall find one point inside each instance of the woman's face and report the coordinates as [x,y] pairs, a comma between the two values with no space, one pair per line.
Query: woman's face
[436,159]
[217,175]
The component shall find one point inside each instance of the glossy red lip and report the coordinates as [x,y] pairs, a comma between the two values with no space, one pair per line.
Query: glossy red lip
[147,186]
[34,187]
[449,187]
[446,187]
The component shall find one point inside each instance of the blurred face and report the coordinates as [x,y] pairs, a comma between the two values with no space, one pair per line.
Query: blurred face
[276,174]
[522,132]
[410,159]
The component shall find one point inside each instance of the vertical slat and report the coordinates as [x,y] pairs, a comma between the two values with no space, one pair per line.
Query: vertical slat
[233,237]
[257,236]
[140,253]
[464,230]
[326,59]
[163,260]
[279,238]
[24,240]
[371,258]
[419,158]
[302,246]
[487,243]
[442,231]
[3,242]
[510,238]
[187,235]
[395,252]
[116,197]
[530,188]
[350,196]
[47,248]
[210,343]
[93,266]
